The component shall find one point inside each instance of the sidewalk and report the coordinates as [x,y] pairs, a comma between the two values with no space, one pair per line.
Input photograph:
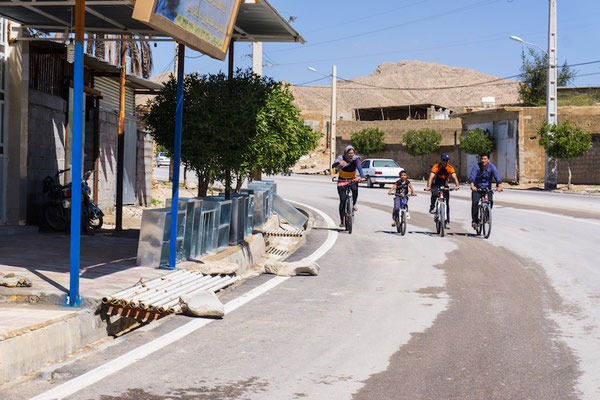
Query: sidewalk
[35,326]
[107,262]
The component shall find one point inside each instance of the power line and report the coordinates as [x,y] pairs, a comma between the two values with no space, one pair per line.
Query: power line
[454,11]
[492,81]
[590,74]
[442,46]
[367,17]
[583,63]
[315,80]
[172,62]
[433,88]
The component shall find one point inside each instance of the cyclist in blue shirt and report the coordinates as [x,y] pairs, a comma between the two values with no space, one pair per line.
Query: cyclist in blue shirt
[481,178]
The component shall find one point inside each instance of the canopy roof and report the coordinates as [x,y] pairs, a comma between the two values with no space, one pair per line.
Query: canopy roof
[257,20]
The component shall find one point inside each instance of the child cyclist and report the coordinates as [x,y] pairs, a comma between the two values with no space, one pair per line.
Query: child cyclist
[401,186]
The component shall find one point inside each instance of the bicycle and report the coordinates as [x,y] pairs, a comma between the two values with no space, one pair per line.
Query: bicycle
[484,227]
[400,219]
[440,216]
[349,204]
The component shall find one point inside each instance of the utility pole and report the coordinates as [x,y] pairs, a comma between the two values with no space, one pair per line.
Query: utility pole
[175,64]
[550,181]
[257,68]
[333,118]
[257,58]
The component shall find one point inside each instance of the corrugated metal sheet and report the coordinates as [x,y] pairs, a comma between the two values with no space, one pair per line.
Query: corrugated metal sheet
[162,294]
[109,87]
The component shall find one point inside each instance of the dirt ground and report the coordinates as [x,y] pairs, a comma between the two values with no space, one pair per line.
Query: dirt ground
[161,191]
[562,188]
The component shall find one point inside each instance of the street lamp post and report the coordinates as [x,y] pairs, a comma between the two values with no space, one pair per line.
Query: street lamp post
[550,176]
[333,115]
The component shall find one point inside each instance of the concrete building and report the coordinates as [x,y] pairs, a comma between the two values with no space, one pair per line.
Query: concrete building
[394,130]
[36,140]
[518,155]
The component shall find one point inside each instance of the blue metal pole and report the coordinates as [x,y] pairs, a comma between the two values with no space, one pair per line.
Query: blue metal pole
[77,133]
[176,157]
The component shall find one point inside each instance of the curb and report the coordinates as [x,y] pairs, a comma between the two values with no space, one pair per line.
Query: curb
[26,350]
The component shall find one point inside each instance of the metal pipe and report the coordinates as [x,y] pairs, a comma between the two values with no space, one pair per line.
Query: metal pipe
[65,3]
[149,284]
[159,295]
[176,156]
[166,286]
[116,39]
[176,307]
[77,155]
[164,297]
[183,291]
[228,282]
[143,291]
[207,286]
[164,283]
[121,142]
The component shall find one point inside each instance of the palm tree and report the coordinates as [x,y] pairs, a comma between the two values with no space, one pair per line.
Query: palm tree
[139,51]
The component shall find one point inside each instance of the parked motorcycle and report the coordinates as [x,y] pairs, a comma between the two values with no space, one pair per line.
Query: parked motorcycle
[57,211]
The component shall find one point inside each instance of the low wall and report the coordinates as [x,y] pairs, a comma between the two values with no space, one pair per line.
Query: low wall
[416,167]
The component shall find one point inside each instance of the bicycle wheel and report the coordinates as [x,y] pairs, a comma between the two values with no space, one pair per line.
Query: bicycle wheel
[442,219]
[487,226]
[397,221]
[348,217]
[480,215]
[402,230]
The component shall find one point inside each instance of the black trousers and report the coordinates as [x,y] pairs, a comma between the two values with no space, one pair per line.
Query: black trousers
[475,196]
[342,194]
[435,192]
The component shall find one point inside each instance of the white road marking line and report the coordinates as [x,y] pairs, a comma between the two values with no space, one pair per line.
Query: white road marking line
[331,236]
[133,356]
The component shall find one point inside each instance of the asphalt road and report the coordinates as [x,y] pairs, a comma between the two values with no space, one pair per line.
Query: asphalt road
[416,317]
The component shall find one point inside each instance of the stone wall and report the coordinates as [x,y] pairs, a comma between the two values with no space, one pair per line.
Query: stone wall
[416,167]
[107,171]
[586,169]
[143,172]
[107,174]
[318,122]
[531,156]
[46,147]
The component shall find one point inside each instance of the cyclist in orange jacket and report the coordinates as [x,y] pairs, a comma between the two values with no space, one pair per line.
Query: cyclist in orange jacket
[440,177]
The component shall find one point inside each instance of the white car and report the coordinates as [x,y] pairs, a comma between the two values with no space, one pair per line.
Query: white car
[380,171]
[161,159]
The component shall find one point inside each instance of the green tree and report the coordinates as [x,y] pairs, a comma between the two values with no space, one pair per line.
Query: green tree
[476,141]
[281,135]
[421,143]
[368,141]
[231,126]
[534,73]
[564,141]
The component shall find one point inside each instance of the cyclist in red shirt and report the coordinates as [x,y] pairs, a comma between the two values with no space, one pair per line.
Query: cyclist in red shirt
[440,177]
[402,185]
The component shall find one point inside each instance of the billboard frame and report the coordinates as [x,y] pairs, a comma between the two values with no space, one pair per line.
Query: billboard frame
[144,11]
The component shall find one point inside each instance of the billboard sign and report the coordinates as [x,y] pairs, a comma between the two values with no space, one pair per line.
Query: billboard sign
[203,25]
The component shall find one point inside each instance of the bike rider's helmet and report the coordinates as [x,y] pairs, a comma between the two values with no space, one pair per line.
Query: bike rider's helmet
[445,157]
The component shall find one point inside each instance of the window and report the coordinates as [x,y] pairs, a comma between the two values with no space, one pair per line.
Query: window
[365,164]
[385,163]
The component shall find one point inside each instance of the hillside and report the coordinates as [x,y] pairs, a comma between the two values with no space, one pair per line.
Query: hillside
[409,74]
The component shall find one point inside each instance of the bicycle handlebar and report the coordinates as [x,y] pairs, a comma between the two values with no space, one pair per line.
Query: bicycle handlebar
[336,179]
[443,188]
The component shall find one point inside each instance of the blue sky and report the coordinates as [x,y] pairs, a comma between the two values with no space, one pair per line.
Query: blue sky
[357,36]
